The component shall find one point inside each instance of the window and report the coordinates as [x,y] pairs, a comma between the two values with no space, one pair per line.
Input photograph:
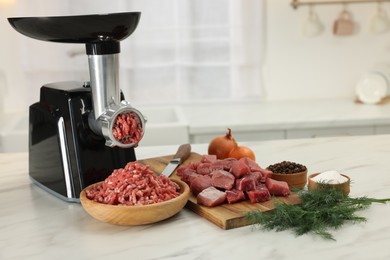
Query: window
[183,51]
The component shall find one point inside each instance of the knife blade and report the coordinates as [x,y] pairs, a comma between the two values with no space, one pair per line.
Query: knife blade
[183,152]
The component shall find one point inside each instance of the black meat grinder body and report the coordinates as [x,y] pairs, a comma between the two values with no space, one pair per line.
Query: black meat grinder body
[70,141]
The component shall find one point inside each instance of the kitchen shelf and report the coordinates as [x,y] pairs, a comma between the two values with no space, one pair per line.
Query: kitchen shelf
[296,3]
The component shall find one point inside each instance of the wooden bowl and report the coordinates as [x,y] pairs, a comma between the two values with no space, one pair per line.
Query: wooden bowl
[345,186]
[136,215]
[294,180]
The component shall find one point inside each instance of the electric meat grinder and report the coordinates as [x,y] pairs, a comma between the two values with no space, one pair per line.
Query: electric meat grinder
[79,132]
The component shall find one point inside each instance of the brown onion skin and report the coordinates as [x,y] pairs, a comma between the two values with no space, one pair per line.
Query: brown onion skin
[241,152]
[222,145]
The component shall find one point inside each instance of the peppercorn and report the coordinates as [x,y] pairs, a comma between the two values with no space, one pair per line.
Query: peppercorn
[287,167]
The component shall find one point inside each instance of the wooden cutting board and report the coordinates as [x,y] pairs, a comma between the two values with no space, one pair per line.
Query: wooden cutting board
[226,216]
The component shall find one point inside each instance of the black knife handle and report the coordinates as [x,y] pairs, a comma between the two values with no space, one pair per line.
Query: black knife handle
[183,152]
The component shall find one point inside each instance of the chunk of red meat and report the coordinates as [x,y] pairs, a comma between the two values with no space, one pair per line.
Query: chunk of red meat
[188,175]
[200,183]
[203,168]
[254,166]
[257,177]
[211,197]
[227,163]
[215,167]
[218,165]
[239,168]
[207,158]
[260,194]
[193,165]
[261,186]
[277,188]
[182,169]
[222,179]
[266,174]
[246,183]
[192,177]
[234,195]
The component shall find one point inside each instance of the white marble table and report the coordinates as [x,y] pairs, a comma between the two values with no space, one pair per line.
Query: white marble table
[36,225]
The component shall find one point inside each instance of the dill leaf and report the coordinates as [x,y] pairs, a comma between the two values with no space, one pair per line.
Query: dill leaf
[320,211]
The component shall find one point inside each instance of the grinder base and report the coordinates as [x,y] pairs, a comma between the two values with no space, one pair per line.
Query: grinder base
[65,156]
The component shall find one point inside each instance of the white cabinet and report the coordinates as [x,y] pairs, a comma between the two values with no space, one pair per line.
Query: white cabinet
[261,135]
[382,129]
[13,133]
[241,136]
[329,132]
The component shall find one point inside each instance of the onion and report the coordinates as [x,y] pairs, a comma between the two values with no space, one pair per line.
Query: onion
[241,152]
[222,145]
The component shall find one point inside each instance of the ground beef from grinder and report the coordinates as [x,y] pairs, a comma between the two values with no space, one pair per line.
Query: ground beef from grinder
[127,128]
[134,185]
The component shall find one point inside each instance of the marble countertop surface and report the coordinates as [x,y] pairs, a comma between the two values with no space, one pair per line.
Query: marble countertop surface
[37,225]
[281,115]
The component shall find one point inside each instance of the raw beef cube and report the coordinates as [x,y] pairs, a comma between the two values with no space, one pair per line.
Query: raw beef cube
[193,165]
[266,174]
[233,196]
[218,165]
[277,188]
[260,194]
[203,168]
[188,175]
[246,183]
[181,170]
[222,179]
[261,187]
[222,164]
[227,163]
[211,197]
[192,177]
[208,158]
[215,167]
[200,183]
[252,164]
[257,177]
[239,168]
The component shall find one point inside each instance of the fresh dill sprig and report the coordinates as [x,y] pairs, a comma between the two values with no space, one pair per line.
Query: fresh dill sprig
[320,210]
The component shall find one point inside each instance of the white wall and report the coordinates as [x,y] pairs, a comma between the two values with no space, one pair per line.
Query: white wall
[323,67]
[11,77]
[295,67]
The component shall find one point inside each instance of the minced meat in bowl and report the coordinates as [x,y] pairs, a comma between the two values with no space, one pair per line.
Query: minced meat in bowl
[134,195]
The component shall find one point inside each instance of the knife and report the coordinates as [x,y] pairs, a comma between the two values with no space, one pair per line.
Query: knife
[183,152]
